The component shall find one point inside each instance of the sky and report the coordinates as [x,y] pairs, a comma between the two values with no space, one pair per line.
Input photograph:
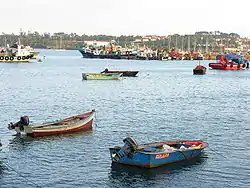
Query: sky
[126,17]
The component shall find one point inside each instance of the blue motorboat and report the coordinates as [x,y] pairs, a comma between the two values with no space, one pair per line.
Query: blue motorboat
[157,153]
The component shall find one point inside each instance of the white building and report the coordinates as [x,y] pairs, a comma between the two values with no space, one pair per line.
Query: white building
[97,43]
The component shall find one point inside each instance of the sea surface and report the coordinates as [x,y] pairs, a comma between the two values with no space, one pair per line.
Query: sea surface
[165,102]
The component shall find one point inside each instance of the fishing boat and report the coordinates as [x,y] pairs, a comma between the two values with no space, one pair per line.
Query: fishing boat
[81,122]
[87,53]
[200,70]
[16,54]
[157,153]
[229,62]
[124,72]
[99,76]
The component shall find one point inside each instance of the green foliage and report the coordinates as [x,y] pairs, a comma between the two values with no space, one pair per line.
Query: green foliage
[203,41]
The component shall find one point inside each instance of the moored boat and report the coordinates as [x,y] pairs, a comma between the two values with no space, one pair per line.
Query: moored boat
[16,53]
[199,69]
[88,54]
[99,76]
[229,62]
[157,153]
[124,72]
[81,122]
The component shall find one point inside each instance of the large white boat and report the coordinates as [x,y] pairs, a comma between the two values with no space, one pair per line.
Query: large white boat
[17,53]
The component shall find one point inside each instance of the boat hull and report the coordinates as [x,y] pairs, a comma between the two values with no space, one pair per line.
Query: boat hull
[156,159]
[7,59]
[49,129]
[124,73]
[117,56]
[109,76]
[99,56]
[199,71]
[221,66]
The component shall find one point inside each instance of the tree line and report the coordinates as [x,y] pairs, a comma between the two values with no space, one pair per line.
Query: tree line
[202,41]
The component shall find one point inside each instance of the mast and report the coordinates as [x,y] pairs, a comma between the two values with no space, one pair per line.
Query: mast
[176,42]
[207,44]
[194,43]
[60,43]
[182,43]
[169,42]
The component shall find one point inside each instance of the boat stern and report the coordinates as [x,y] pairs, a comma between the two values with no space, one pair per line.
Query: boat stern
[133,159]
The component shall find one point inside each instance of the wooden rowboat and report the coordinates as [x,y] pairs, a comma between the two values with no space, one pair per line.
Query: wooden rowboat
[156,154]
[125,73]
[98,76]
[81,122]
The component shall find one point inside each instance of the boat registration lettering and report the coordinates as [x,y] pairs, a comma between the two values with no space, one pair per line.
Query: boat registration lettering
[161,156]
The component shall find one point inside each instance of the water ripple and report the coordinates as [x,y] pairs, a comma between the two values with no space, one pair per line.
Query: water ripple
[164,102]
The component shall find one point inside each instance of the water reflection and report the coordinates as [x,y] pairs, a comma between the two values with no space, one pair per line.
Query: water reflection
[22,141]
[125,174]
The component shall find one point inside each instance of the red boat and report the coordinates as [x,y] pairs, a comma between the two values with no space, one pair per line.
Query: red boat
[199,69]
[81,122]
[229,63]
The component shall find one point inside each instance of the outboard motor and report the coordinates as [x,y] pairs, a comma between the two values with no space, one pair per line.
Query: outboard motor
[84,76]
[130,146]
[19,126]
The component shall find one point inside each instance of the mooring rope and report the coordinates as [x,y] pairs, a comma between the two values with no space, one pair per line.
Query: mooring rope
[218,153]
[22,175]
[95,119]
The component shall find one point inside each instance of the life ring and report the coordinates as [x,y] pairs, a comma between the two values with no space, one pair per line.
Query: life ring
[6,58]
[11,58]
[23,58]
[19,58]
[1,58]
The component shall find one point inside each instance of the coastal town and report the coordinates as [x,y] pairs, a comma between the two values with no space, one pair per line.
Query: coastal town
[201,45]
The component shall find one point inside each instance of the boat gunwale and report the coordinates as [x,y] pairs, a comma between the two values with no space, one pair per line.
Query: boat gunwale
[56,125]
[155,144]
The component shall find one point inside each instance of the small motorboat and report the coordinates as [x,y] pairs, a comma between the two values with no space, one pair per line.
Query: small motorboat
[99,76]
[81,122]
[156,154]
[125,73]
[199,69]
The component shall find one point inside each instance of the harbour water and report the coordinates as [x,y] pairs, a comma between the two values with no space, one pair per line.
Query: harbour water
[166,101]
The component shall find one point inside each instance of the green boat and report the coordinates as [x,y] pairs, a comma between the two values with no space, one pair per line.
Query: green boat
[98,76]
